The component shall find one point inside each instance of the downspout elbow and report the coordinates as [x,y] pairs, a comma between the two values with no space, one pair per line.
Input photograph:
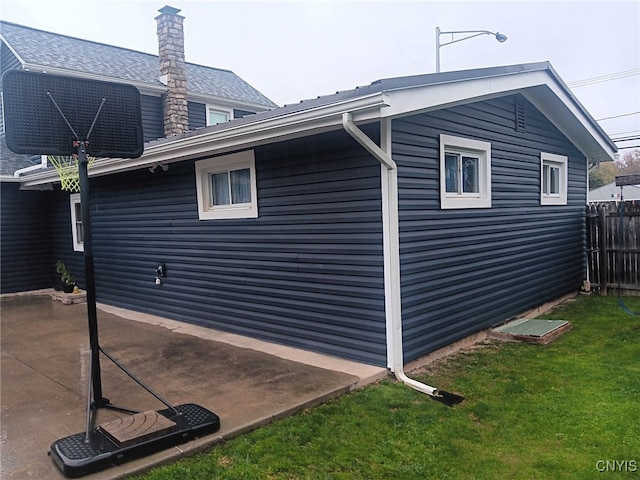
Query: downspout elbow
[366,142]
[419,386]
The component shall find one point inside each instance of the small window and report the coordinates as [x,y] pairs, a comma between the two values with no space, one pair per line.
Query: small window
[553,179]
[76,222]
[226,187]
[465,166]
[217,115]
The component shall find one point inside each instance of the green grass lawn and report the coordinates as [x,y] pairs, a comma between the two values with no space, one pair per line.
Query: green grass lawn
[531,412]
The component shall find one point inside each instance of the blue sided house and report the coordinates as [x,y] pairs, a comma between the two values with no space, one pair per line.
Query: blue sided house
[376,224]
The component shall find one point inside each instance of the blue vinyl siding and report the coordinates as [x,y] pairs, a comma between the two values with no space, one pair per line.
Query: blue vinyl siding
[151,110]
[25,256]
[36,232]
[308,272]
[197,115]
[469,269]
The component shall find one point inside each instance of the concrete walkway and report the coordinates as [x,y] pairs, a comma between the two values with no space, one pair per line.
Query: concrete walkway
[45,368]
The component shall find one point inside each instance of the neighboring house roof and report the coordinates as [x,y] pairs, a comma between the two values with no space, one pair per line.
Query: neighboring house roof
[38,50]
[381,100]
[612,193]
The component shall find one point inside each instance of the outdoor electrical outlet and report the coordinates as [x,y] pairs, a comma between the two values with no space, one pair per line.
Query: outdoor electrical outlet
[161,271]
[158,281]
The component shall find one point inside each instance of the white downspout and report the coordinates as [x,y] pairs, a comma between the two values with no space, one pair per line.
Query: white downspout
[391,246]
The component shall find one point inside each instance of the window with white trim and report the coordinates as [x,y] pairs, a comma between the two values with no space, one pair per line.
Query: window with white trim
[77,231]
[226,187]
[465,173]
[216,115]
[553,179]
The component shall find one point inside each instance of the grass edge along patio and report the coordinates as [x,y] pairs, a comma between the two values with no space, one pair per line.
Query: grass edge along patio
[566,410]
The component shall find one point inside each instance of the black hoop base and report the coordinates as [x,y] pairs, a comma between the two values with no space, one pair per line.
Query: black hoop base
[75,457]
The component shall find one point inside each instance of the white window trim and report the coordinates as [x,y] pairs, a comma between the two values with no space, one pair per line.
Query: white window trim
[228,111]
[449,200]
[235,161]
[74,199]
[556,161]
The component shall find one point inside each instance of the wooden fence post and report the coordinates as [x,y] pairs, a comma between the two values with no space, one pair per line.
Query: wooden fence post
[602,246]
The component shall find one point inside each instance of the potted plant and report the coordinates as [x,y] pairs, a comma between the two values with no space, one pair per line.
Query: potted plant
[68,282]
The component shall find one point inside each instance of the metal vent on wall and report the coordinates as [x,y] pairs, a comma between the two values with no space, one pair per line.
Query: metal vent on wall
[521,115]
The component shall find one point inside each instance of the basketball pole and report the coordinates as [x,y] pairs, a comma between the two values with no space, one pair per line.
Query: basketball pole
[96,380]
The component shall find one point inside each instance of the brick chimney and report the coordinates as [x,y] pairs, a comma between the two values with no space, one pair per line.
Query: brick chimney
[172,70]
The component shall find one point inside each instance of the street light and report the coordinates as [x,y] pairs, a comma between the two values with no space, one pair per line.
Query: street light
[473,33]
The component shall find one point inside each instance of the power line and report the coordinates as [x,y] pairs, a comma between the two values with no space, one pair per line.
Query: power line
[604,78]
[618,116]
[623,133]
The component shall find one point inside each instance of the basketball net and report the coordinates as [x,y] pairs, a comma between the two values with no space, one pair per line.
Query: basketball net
[68,170]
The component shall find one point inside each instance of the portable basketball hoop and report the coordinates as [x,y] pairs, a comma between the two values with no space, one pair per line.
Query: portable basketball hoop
[68,169]
[49,114]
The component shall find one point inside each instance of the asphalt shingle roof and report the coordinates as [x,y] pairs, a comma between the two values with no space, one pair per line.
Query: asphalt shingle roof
[51,50]
[14,161]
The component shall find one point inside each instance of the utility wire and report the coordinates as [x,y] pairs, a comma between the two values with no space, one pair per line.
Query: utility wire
[618,116]
[625,139]
[612,134]
[604,78]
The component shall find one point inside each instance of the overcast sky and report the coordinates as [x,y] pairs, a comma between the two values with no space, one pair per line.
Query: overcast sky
[292,51]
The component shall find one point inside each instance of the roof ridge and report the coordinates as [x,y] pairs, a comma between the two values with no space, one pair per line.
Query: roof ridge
[74,38]
[106,45]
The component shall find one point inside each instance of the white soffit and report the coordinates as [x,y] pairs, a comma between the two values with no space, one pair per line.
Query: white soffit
[539,87]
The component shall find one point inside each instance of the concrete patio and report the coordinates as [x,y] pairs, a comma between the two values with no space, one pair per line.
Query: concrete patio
[45,369]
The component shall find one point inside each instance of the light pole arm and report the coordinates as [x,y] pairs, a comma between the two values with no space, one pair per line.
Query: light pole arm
[472,33]
[479,32]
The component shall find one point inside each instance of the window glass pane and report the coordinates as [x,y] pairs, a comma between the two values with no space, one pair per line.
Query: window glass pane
[216,117]
[470,175]
[545,179]
[79,229]
[240,186]
[554,180]
[451,172]
[220,188]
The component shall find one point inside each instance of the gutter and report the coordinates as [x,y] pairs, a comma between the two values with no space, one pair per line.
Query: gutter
[240,135]
[43,165]
[391,245]
[8,179]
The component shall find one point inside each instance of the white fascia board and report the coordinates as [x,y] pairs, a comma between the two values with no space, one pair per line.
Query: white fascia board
[144,88]
[410,101]
[9,179]
[317,120]
[559,107]
[11,49]
[571,120]
[296,124]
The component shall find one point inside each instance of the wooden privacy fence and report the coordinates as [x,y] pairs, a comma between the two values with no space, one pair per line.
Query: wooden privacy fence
[613,246]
